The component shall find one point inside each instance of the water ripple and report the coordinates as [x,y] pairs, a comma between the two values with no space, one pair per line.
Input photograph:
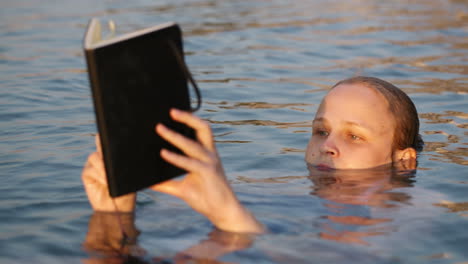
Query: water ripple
[263,67]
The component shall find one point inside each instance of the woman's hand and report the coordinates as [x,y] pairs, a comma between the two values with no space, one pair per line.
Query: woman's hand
[205,187]
[95,183]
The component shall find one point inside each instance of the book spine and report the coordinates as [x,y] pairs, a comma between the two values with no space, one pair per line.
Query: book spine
[93,76]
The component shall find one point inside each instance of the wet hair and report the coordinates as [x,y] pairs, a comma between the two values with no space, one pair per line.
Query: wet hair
[402,108]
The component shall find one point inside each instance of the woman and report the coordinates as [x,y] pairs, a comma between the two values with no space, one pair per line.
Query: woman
[363,122]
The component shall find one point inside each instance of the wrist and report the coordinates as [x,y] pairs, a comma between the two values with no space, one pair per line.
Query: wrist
[121,204]
[237,218]
[125,203]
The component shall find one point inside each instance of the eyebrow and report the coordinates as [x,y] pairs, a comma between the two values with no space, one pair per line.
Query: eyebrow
[320,120]
[347,123]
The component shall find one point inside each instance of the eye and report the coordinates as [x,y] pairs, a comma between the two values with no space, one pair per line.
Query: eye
[354,137]
[321,132]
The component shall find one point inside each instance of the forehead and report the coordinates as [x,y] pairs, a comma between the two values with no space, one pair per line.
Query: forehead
[356,103]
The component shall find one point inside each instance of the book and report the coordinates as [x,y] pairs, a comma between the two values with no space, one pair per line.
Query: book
[135,79]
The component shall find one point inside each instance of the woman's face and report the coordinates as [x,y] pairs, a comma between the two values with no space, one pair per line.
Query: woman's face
[353,129]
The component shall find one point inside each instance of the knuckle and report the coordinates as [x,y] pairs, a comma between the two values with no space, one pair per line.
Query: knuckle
[94,157]
[205,125]
[91,158]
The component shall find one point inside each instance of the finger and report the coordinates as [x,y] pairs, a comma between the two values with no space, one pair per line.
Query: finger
[188,146]
[96,160]
[97,140]
[171,187]
[181,161]
[94,170]
[204,133]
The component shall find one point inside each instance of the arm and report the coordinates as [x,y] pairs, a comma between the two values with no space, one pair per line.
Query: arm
[205,187]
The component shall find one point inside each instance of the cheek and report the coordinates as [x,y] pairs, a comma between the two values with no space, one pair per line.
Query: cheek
[367,157]
[311,150]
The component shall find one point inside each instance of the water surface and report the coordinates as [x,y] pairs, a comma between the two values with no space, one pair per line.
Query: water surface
[263,67]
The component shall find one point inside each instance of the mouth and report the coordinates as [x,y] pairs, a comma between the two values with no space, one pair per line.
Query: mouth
[323,167]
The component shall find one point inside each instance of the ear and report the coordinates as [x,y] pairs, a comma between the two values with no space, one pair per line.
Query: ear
[405,158]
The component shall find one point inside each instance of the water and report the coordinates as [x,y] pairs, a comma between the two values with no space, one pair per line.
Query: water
[263,67]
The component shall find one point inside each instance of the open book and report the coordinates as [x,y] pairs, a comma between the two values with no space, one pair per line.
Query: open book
[135,79]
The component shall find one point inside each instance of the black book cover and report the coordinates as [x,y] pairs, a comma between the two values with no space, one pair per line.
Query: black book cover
[135,79]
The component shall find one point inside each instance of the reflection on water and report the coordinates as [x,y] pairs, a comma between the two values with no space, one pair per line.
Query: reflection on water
[452,207]
[113,238]
[262,123]
[346,193]
[264,105]
[350,198]
[372,187]
[452,149]
[263,67]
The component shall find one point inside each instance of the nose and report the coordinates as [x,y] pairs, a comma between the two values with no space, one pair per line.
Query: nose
[329,147]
